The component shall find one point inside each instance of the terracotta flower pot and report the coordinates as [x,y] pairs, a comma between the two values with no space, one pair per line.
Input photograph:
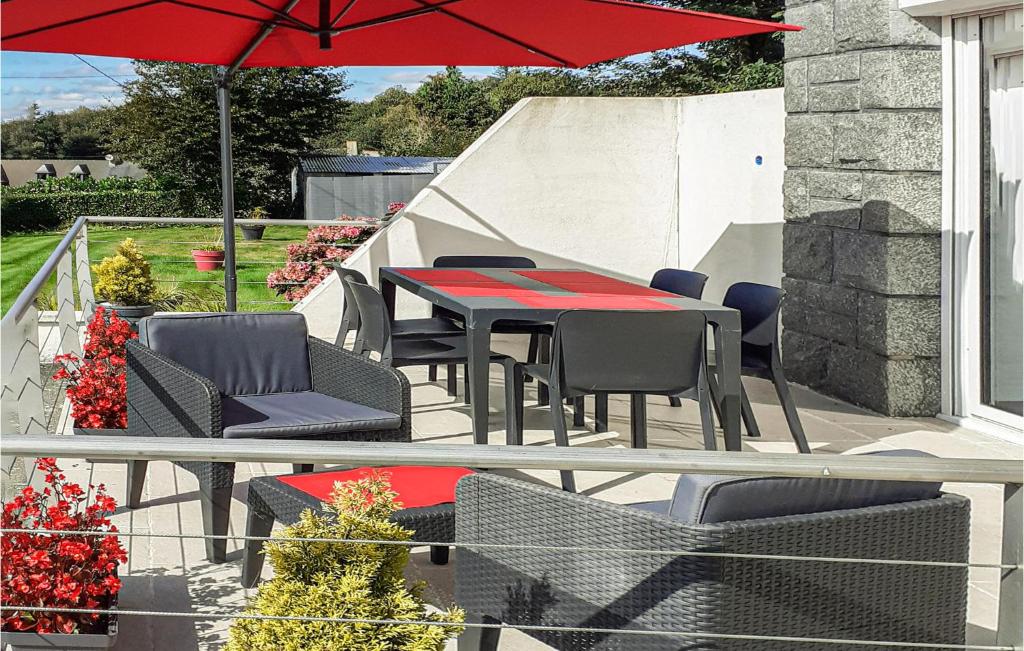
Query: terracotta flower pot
[208,260]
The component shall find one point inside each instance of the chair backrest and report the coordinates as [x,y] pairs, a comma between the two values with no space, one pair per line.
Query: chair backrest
[759,313]
[485,261]
[350,313]
[242,353]
[374,333]
[629,351]
[680,281]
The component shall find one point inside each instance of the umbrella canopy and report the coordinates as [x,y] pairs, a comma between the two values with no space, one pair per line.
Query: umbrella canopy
[253,33]
[561,33]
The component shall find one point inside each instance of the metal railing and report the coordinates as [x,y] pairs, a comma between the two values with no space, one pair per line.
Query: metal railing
[1008,473]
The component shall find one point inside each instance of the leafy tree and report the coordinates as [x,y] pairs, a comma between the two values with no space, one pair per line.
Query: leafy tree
[510,85]
[390,122]
[456,109]
[75,134]
[746,63]
[169,125]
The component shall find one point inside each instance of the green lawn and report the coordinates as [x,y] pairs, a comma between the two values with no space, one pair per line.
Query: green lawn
[168,249]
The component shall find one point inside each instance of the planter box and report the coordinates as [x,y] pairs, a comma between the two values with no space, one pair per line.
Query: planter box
[64,641]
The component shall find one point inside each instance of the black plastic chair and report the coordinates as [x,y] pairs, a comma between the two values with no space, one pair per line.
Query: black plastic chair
[375,336]
[761,354]
[680,281]
[403,328]
[539,332]
[631,352]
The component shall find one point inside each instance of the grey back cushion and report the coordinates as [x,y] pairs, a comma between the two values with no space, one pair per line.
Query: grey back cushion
[704,499]
[242,353]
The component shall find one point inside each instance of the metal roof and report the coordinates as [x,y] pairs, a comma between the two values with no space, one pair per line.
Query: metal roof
[372,164]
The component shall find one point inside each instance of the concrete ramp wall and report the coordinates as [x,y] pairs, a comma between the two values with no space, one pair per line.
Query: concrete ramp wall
[623,186]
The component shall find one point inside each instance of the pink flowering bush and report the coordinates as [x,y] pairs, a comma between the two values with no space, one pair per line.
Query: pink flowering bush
[309,262]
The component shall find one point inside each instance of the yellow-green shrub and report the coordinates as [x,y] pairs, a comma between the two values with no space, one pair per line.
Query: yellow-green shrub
[125,277]
[343,580]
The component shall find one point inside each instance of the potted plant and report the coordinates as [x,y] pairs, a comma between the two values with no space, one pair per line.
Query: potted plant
[124,281]
[58,570]
[209,256]
[393,208]
[96,382]
[343,580]
[255,231]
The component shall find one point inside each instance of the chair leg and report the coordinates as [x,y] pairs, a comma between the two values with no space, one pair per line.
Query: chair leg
[513,403]
[674,401]
[561,437]
[432,373]
[638,420]
[479,639]
[753,431]
[466,398]
[577,412]
[259,525]
[707,424]
[716,395]
[531,355]
[216,505]
[543,397]
[136,482]
[439,554]
[601,412]
[453,381]
[298,468]
[789,408]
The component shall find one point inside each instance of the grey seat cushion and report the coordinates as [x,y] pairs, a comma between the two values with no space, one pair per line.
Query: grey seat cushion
[242,353]
[704,499]
[305,413]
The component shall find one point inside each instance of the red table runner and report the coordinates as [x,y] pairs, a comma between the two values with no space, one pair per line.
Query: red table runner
[416,485]
[586,282]
[593,302]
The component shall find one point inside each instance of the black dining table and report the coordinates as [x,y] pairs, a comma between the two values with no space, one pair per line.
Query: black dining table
[484,296]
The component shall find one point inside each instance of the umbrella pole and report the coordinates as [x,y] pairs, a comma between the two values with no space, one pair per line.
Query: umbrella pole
[227,189]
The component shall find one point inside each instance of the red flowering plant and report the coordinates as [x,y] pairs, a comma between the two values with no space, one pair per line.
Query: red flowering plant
[58,570]
[309,262]
[97,385]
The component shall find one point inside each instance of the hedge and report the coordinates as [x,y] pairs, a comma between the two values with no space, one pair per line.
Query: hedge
[34,212]
[50,204]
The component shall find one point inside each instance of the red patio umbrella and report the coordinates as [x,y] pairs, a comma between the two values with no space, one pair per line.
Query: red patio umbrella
[252,33]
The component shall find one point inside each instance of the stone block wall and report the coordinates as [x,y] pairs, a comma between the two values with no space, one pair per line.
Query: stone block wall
[861,244]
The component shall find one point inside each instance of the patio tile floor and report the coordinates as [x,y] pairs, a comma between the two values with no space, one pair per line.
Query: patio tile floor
[171,574]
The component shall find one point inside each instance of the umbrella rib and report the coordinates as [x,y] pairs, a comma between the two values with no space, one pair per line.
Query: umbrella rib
[232,14]
[341,13]
[502,36]
[257,40]
[284,15]
[81,19]
[412,13]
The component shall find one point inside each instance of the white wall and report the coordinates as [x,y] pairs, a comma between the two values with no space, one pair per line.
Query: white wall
[624,186]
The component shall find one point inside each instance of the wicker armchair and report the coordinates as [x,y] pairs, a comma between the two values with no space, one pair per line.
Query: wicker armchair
[255,376]
[617,591]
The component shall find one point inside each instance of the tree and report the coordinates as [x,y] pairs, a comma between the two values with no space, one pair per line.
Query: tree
[456,109]
[75,134]
[746,63]
[510,85]
[169,125]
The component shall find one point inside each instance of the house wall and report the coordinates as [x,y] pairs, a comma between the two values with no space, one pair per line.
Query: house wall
[861,246]
[623,186]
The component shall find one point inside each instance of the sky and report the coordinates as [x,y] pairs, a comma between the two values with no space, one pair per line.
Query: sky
[61,82]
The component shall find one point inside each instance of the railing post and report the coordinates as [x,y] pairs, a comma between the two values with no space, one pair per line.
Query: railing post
[67,321]
[1011,584]
[22,393]
[83,274]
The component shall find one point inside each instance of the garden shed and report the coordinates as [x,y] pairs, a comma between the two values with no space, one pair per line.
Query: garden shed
[329,186]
